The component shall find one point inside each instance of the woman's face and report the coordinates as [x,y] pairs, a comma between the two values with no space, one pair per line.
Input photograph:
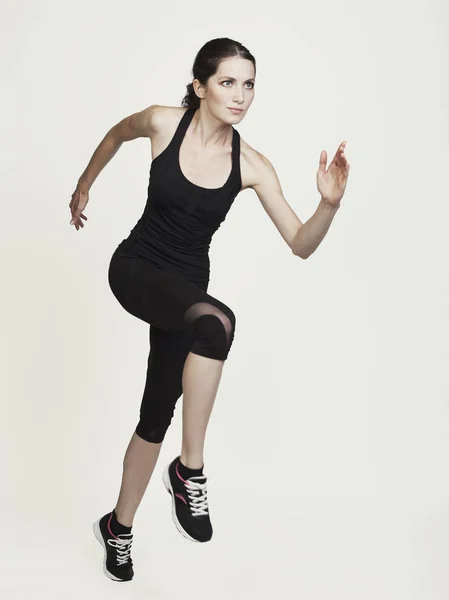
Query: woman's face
[232,86]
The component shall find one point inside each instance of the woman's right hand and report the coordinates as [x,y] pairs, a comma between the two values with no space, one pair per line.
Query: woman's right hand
[77,205]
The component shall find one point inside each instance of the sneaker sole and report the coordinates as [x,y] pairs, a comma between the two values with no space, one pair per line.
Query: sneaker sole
[168,487]
[97,533]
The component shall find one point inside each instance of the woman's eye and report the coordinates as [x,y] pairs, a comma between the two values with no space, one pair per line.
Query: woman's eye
[229,81]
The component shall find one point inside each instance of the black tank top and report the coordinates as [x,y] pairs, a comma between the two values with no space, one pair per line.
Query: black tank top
[180,217]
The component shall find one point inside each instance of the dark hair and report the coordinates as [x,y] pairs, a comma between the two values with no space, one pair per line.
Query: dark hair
[207,62]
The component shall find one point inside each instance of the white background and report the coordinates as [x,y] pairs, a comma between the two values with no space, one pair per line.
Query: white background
[328,444]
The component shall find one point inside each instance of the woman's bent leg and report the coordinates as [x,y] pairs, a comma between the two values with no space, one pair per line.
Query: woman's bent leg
[201,378]
[172,305]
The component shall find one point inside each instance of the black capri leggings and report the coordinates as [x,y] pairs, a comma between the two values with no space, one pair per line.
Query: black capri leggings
[183,318]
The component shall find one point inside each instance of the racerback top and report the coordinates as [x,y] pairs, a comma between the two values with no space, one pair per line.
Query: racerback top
[180,217]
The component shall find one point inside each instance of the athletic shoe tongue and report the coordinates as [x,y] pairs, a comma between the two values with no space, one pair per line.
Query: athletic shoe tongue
[200,478]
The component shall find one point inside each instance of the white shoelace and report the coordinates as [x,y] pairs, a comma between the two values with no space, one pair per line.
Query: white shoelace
[124,548]
[197,492]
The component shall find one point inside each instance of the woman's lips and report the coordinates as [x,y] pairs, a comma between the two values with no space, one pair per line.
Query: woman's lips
[236,110]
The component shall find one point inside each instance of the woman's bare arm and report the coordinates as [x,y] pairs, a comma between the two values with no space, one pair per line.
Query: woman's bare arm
[302,238]
[139,124]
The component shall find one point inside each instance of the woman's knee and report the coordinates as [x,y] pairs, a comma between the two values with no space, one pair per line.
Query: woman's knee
[213,332]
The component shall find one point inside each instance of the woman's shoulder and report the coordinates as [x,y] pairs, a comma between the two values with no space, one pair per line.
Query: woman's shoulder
[163,117]
[164,122]
[248,152]
[252,163]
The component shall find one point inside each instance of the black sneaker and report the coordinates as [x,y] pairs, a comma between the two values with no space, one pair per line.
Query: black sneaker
[189,503]
[117,564]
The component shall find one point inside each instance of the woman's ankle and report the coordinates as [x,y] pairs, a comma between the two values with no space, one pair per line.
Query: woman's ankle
[123,518]
[192,461]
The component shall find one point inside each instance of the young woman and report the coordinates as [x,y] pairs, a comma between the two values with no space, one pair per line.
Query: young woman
[160,273]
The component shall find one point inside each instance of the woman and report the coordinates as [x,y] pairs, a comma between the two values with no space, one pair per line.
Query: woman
[160,273]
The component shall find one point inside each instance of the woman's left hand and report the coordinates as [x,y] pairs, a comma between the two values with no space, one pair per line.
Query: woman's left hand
[332,183]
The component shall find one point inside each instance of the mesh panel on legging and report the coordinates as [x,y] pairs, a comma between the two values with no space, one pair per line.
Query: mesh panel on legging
[213,329]
[183,317]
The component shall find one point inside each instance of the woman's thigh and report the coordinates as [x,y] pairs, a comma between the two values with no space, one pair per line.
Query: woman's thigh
[159,297]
